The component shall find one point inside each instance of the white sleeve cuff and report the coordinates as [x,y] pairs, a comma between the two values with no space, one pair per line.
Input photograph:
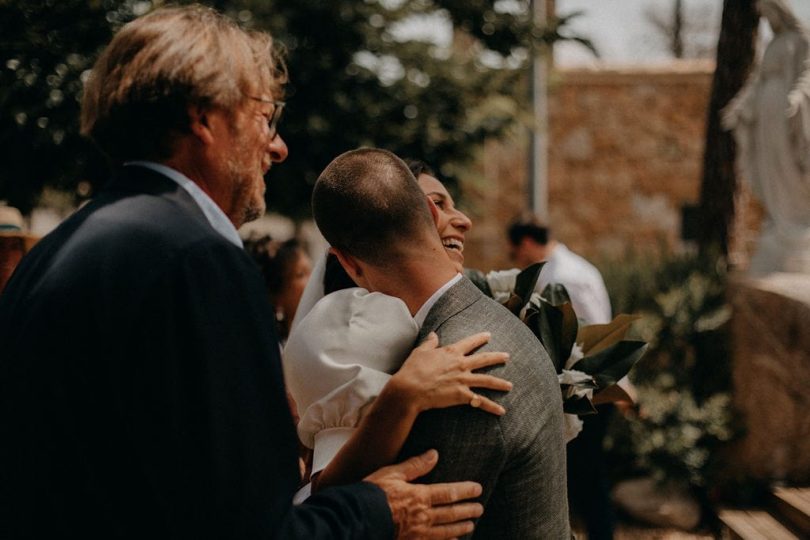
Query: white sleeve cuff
[328,443]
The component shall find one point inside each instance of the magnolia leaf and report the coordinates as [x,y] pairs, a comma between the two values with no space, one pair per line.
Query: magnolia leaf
[579,406]
[479,279]
[555,327]
[612,394]
[597,337]
[613,363]
[568,330]
[545,321]
[556,294]
[526,281]
[514,304]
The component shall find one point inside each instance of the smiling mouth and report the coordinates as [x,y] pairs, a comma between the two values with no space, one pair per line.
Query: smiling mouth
[453,244]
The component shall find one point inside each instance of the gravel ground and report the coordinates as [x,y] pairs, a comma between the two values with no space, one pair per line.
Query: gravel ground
[640,532]
[631,531]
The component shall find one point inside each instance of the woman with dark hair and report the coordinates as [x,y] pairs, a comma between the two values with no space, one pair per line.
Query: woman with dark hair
[286,268]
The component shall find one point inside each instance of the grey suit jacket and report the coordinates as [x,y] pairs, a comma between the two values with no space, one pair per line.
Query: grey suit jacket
[519,458]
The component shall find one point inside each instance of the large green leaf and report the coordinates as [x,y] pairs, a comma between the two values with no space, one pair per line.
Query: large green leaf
[568,330]
[612,363]
[545,321]
[526,281]
[556,294]
[579,406]
[479,279]
[555,327]
[598,337]
[515,304]
[611,394]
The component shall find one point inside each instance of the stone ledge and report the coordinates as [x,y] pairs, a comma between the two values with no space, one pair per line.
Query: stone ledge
[771,376]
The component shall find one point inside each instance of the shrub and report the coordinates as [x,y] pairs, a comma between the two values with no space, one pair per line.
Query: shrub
[684,406]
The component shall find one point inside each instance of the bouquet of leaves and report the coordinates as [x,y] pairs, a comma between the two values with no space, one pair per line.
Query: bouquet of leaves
[589,360]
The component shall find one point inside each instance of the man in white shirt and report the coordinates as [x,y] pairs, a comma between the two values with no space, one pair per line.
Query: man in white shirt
[530,241]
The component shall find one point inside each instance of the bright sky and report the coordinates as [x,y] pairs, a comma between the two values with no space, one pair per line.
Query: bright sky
[621,32]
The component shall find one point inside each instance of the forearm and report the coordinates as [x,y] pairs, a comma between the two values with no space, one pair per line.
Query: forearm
[358,511]
[376,442]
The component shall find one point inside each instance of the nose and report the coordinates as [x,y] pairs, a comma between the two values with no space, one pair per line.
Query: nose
[277,149]
[461,221]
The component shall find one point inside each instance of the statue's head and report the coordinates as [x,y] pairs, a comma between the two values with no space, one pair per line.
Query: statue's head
[779,15]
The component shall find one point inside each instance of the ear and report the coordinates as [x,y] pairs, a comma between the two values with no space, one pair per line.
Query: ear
[434,211]
[200,123]
[349,263]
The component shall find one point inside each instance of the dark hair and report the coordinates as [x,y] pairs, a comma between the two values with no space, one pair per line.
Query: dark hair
[531,227]
[368,204]
[417,167]
[274,259]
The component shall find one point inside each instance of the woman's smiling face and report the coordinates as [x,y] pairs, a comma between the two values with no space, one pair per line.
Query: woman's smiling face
[453,224]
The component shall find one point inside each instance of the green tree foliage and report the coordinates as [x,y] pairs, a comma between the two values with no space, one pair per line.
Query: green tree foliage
[45,48]
[361,73]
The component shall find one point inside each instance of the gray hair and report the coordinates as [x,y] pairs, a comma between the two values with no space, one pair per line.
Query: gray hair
[139,90]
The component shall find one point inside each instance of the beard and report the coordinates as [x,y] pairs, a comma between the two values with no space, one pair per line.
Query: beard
[247,196]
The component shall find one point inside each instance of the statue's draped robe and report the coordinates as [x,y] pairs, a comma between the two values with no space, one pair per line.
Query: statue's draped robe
[772,129]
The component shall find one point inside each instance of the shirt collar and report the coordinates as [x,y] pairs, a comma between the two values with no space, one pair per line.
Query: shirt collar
[213,213]
[422,314]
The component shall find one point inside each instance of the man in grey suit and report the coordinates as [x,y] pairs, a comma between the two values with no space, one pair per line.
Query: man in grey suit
[382,228]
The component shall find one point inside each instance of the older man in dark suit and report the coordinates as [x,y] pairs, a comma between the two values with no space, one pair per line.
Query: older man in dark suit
[388,243]
[141,393]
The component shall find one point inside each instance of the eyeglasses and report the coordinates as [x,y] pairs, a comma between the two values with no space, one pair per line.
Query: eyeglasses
[272,122]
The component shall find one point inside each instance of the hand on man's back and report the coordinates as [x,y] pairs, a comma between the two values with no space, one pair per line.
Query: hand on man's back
[427,510]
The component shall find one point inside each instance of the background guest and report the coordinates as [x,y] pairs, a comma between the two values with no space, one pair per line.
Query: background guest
[286,268]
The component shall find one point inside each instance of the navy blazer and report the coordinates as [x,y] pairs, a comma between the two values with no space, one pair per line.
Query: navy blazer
[141,391]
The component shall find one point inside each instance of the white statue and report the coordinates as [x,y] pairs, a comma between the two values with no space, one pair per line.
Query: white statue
[771,122]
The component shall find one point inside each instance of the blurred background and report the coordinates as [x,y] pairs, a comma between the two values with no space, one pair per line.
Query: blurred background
[599,115]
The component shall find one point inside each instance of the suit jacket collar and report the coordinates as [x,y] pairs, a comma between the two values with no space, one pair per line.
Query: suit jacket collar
[457,298]
[129,181]
[133,180]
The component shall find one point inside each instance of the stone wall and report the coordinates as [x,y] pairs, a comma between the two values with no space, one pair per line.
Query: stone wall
[625,154]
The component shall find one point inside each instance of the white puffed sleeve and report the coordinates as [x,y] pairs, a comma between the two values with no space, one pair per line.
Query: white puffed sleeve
[338,358]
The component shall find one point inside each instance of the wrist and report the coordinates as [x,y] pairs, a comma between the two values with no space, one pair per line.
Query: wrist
[400,397]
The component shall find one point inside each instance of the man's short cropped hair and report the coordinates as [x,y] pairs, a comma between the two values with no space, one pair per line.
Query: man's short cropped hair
[139,90]
[368,204]
[531,227]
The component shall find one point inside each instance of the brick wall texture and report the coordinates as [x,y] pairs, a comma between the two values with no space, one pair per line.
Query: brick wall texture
[625,154]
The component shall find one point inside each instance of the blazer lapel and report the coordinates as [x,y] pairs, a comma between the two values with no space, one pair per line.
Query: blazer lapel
[457,298]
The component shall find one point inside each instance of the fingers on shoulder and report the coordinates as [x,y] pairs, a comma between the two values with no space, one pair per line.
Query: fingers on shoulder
[470,343]
[449,493]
